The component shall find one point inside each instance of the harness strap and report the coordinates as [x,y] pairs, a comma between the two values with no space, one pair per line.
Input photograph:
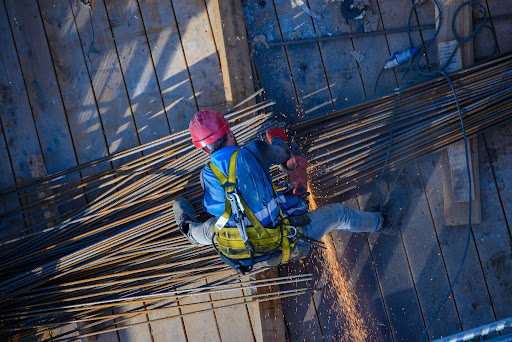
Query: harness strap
[229,185]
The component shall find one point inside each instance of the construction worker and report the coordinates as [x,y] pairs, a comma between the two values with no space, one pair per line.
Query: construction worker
[253,224]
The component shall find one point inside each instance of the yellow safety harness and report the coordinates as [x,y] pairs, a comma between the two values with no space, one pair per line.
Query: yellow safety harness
[262,240]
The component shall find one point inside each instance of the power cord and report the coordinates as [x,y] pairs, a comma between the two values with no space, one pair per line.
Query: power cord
[420,73]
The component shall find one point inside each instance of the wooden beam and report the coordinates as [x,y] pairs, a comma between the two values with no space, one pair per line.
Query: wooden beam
[455,180]
[231,39]
[271,311]
[233,49]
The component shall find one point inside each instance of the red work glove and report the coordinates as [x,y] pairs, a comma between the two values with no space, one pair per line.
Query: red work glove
[275,132]
[298,168]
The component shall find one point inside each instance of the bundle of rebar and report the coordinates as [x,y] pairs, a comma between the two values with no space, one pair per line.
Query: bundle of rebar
[121,255]
[348,147]
[98,244]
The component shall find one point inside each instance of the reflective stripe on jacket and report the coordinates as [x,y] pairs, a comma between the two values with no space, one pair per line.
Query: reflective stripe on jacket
[253,183]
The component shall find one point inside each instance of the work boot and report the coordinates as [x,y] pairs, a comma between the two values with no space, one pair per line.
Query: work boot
[184,214]
[395,207]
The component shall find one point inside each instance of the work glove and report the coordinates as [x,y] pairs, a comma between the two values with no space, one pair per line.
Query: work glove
[275,132]
[297,167]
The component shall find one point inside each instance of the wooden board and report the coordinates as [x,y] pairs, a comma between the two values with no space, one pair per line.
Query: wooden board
[341,67]
[139,332]
[231,39]
[200,326]
[375,51]
[42,88]
[77,93]
[169,60]
[502,27]
[105,72]
[305,60]
[233,322]
[353,308]
[394,14]
[425,259]
[200,54]
[71,71]
[470,292]
[500,152]
[457,210]
[162,330]
[493,236]
[271,65]
[271,316]
[138,70]
[299,311]
[394,276]
[19,136]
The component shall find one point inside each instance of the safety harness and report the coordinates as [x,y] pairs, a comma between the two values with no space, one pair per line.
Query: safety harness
[242,242]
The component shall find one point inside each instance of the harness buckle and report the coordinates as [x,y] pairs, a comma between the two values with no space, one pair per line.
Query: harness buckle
[294,231]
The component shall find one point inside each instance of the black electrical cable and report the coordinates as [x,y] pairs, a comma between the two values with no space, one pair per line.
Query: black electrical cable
[421,73]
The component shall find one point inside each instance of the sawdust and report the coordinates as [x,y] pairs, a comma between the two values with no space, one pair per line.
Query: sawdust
[338,287]
[370,21]
[345,28]
[297,34]
[359,57]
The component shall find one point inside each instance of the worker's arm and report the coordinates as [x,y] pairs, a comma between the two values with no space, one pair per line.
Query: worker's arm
[267,154]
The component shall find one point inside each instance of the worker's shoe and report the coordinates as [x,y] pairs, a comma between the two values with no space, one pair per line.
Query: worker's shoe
[395,207]
[184,214]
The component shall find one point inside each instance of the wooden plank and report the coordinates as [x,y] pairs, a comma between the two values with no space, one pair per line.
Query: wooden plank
[233,322]
[500,152]
[233,48]
[77,95]
[502,27]
[455,210]
[254,314]
[375,52]
[299,311]
[463,27]
[271,65]
[425,259]
[170,65]
[201,326]
[470,291]
[71,71]
[393,272]
[42,87]
[271,315]
[492,236]
[305,61]
[138,70]
[341,67]
[106,75]
[200,54]
[348,299]
[8,224]
[140,332]
[425,14]
[19,136]
[483,43]
[394,14]
[161,331]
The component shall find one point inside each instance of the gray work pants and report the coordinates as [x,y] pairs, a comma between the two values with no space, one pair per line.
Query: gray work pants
[323,221]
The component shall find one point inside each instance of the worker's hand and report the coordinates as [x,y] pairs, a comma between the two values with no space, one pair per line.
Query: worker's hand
[298,174]
[275,132]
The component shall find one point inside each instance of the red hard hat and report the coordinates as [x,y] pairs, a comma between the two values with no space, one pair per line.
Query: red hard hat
[207,126]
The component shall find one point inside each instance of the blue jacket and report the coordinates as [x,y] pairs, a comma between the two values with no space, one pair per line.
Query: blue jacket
[253,184]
